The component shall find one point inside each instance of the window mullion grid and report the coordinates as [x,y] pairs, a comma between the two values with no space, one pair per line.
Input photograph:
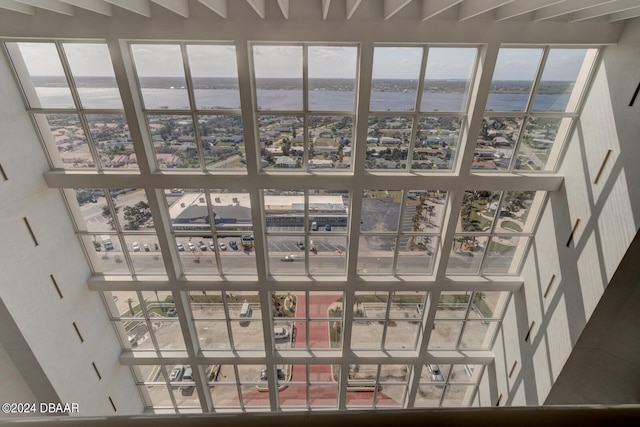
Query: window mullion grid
[386,319]
[118,229]
[228,320]
[466,316]
[214,234]
[78,103]
[192,104]
[416,111]
[307,321]
[305,106]
[269,348]
[347,353]
[307,237]
[527,112]
[147,319]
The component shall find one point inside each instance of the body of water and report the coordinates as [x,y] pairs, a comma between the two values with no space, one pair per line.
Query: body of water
[285,100]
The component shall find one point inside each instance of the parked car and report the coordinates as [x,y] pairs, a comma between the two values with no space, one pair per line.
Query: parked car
[233,245]
[300,245]
[202,246]
[223,247]
[280,333]
[211,245]
[263,374]
[290,258]
[180,247]
[176,373]
[191,246]
[327,227]
[436,374]
[172,312]
[135,246]
[146,247]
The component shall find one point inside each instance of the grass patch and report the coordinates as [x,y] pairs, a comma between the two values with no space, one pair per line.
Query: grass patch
[501,249]
[325,142]
[510,225]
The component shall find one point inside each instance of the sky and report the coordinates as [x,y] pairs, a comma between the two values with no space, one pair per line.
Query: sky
[286,61]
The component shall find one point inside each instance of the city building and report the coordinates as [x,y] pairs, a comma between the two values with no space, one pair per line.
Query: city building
[227,206]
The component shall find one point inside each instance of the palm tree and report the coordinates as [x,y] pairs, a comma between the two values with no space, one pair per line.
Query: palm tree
[130,302]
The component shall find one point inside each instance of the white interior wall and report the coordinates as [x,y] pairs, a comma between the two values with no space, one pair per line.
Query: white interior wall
[40,315]
[609,217]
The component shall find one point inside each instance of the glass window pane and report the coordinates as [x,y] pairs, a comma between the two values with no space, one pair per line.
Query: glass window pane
[458,395]
[109,261]
[212,335]
[206,305]
[375,255]
[278,72]
[447,79]
[222,139]
[495,145]
[453,305]
[215,76]
[281,141]
[487,304]
[174,141]
[132,209]
[395,75]
[188,210]
[402,335]
[93,75]
[501,257]
[436,143]
[328,209]
[248,337]
[157,396]
[195,259]
[284,211]
[541,139]
[416,254]
[327,255]
[65,132]
[168,334]
[428,396]
[424,210]
[367,335]
[332,77]
[388,142]
[110,134]
[324,305]
[515,209]
[161,76]
[479,209]
[371,304]
[513,79]
[404,305]
[478,334]
[146,259]
[323,396]
[41,74]
[285,255]
[381,211]
[558,79]
[444,335]
[466,254]
[329,137]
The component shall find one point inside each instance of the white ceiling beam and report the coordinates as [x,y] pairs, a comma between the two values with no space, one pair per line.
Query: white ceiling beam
[284,7]
[470,9]
[391,7]
[352,5]
[218,6]
[431,8]
[179,7]
[519,8]
[51,5]
[620,16]
[325,8]
[568,6]
[605,9]
[17,7]
[141,7]
[97,6]
[259,6]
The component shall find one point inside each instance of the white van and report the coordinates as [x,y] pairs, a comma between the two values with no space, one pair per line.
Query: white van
[245,312]
[314,226]
[280,333]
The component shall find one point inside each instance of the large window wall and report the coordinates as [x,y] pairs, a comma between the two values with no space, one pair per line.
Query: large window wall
[279,227]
